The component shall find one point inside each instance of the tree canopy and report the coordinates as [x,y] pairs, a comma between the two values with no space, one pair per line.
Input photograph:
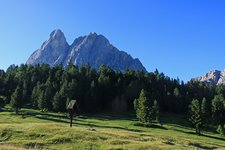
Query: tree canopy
[48,88]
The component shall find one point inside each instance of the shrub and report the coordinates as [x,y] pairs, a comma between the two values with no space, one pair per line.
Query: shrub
[221,130]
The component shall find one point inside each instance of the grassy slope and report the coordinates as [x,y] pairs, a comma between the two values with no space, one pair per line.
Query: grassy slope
[51,131]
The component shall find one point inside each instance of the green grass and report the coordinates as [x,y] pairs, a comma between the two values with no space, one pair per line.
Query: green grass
[36,130]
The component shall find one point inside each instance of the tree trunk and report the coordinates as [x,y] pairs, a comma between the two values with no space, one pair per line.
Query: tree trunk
[71,121]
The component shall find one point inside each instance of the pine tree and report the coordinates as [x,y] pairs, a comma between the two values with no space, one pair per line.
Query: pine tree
[25,92]
[218,109]
[220,129]
[35,95]
[195,115]
[146,110]
[42,103]
[16,99]
[204,110]
[155,110]
[57,102]
[48,94]
[141,106]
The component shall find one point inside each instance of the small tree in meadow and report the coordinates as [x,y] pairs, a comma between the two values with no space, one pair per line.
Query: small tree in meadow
[141,106]
[146,109]
[221,130]
[16,99]
[197,112]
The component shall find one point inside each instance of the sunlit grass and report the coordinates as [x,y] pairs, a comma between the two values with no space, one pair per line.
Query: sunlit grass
[35,130]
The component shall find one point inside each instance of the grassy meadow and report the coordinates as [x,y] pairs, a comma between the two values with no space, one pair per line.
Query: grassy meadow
[33,129]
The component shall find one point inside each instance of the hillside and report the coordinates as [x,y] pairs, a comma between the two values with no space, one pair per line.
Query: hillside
[49,89]
[35,130]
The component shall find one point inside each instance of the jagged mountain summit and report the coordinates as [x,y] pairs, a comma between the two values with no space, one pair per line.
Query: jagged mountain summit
[53,51]
[212,77]
[92,49]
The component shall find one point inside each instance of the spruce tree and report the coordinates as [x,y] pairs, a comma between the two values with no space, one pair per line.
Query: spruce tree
[48,94]
[141,106]
[35,95]
[218,109]
[60,98]
[221,130]
[25,96]
[195,115]
[204,110]
[57,102]
[42,102]
[155,110]
[16,99]
[146,110]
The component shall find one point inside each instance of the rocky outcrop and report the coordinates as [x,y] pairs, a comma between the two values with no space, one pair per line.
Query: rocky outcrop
[53,51]
[212,77]
[92,49]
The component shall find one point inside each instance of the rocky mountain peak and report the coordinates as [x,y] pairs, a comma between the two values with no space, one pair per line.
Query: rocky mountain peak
[92,34]
[212,77]
[97,39]
[57,33]
[92,49]
[53,51]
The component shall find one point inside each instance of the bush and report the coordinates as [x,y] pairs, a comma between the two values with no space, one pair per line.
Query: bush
[221,130]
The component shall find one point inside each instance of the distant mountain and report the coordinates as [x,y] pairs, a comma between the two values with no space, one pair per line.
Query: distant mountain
[92,49]
[213,77]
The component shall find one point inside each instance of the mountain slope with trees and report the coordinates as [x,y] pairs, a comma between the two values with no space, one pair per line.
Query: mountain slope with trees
[50,89]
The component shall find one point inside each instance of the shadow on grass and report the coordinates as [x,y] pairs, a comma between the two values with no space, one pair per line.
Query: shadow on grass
[150,126]
[214,137]
[34,113]
[77,122]
[81,120]
[107,117]
[6,110]
[198,145]
[201,135]
[178,120]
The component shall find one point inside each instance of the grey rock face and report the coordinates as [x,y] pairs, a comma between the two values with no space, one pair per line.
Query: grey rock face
[53,51]
[92,49]
[213,77]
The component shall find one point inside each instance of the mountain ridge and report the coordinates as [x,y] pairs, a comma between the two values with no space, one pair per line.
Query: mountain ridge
[92,49]
[213,77]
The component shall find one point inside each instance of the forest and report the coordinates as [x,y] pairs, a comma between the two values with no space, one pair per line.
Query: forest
[51,88]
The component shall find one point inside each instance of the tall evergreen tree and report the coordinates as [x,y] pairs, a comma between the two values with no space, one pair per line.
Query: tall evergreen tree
[204,110]
[141,106]
[35,95]
[16,99]
[147,110]
[155,110]
[60,98]
[25,95]
[218,109]
[48,94]
[42,102]
[57,102]
[196,115]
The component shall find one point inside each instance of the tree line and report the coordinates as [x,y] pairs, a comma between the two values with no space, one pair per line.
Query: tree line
[51,88]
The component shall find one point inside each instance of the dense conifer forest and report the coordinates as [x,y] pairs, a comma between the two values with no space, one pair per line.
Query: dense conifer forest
[50,89]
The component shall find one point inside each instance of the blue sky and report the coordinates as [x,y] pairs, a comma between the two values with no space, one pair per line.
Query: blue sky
[182,38]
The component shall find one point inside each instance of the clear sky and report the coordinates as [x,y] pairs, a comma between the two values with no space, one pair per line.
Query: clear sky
[182,38]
